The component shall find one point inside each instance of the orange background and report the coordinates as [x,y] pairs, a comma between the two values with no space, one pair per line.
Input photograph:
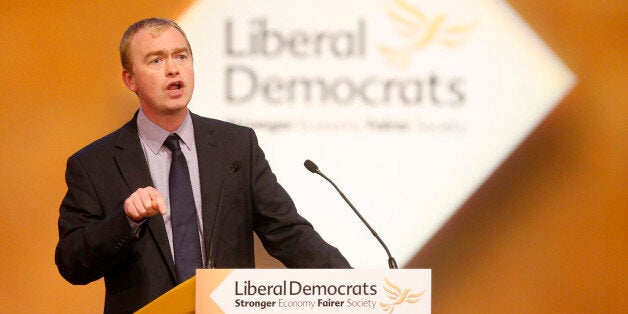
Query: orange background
[545,234]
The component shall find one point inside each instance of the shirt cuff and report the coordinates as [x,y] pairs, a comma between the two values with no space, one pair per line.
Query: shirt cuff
[136,226]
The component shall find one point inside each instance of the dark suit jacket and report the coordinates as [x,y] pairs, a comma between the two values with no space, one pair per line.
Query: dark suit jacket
[96,240]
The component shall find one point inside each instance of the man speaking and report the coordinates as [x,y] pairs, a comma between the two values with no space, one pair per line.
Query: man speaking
[171,191]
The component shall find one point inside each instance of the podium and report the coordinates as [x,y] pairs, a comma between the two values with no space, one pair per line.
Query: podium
[298,290]
[179,299]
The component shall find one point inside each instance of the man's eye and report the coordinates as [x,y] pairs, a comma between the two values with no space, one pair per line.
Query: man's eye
[181,57]
[155,61]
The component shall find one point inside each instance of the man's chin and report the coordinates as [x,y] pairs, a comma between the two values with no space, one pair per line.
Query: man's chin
[175,111]
[175,108]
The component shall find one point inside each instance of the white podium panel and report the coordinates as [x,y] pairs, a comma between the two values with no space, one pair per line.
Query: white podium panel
[313,291]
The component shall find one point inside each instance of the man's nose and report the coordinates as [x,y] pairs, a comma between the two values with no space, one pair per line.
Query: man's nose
[172,68]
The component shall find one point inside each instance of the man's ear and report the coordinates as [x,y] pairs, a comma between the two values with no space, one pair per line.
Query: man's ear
[128,80]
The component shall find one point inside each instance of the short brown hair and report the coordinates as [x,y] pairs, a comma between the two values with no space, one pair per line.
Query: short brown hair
[157,25]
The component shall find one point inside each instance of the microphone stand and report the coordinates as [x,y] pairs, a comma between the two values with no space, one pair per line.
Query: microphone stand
[311,166]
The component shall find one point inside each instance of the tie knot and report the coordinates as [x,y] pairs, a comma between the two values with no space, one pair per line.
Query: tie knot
[172,142]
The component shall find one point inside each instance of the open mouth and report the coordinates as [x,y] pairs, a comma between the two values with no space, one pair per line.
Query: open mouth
[175,86]
[175,89]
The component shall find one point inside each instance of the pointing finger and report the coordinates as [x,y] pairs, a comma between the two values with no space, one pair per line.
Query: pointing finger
[158,203]
[161,204]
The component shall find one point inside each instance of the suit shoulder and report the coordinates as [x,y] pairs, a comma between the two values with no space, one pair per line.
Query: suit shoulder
[221,126]
[103,145]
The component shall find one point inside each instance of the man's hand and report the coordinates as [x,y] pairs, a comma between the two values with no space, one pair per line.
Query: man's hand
[144,203]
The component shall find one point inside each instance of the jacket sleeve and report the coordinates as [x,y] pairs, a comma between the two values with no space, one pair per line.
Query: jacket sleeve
[285,234]
[90,241]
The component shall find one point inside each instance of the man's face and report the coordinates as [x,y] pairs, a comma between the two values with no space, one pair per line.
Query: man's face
[163,72]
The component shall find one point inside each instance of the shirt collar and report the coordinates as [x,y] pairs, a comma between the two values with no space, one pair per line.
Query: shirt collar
[154,136]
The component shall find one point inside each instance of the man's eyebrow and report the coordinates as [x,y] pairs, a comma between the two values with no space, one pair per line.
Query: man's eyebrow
[180,50]
[164,52]
[154,53]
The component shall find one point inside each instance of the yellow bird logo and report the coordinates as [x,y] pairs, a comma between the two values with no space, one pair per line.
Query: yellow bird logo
[398,296]
[418,31]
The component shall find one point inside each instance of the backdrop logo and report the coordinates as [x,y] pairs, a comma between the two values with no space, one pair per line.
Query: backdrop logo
[418,31]
[398,296]
[429,96]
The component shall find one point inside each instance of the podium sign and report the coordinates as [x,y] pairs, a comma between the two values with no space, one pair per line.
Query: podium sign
[313,291]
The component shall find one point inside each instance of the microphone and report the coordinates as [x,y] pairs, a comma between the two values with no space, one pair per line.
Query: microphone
[312,167]
[235,166]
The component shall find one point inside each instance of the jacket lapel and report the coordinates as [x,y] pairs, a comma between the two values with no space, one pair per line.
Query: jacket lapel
[211,176]
[130,159]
